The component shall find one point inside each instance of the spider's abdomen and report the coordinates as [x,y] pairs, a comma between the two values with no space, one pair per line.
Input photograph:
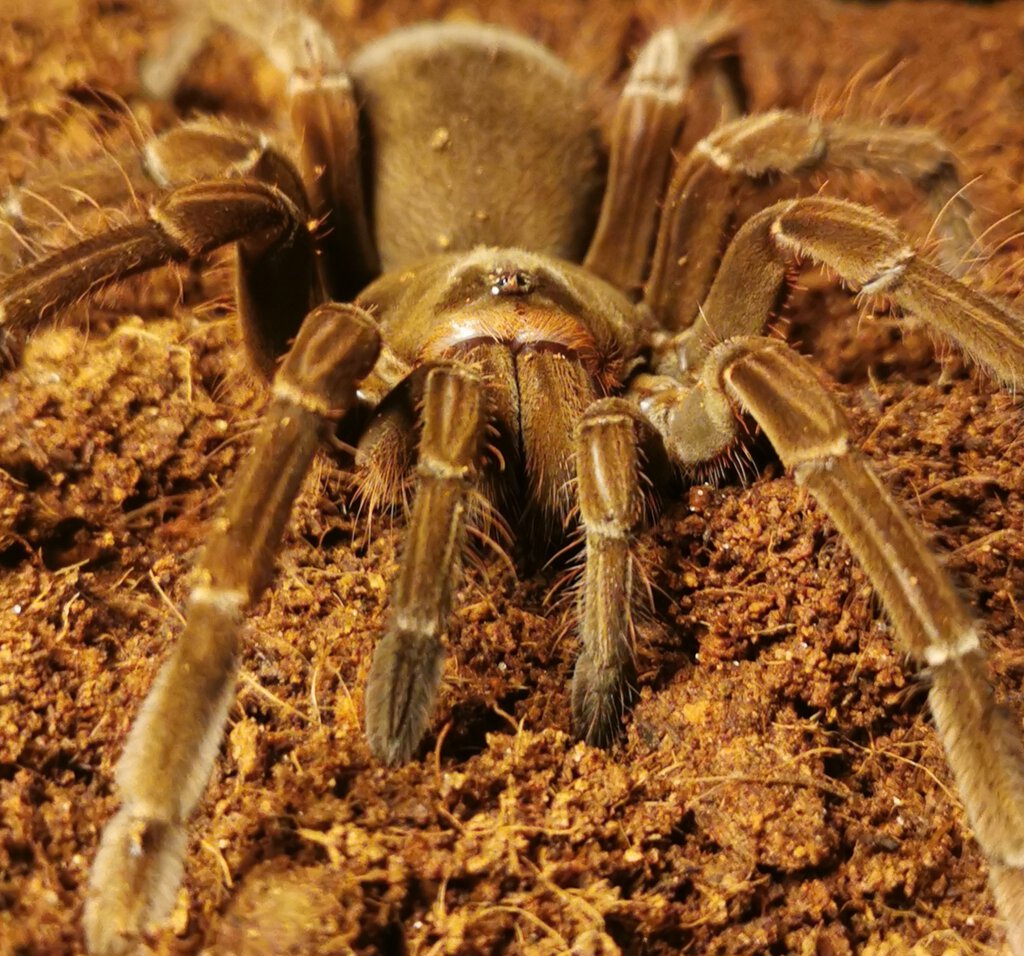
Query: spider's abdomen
[475,137]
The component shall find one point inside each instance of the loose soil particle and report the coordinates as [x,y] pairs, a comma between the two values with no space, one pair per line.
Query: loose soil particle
[779,787]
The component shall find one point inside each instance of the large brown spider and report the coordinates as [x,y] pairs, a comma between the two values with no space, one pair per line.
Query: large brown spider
[518,362]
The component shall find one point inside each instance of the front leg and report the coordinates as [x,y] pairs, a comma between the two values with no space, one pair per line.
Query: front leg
[981,739]
[172,747]
[769,381]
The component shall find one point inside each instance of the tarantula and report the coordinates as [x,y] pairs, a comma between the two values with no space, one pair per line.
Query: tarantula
[513,313]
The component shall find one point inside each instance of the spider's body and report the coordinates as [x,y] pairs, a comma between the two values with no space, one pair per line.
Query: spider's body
[476,233]
[592,329]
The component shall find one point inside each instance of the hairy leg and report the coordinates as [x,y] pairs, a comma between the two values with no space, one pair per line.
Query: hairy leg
[324,115]
[701,200]
[982,741]
[608,459]
[407,663]
[263,210]
[172,746]
[868,251]
[659,97]
[766,379]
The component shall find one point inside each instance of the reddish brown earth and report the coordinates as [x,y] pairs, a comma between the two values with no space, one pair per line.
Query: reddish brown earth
[779,788]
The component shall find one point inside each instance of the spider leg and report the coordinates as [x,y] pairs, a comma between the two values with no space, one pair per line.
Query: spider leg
[172,746]
[407,663]
[386,450]
[264,211]
[325,116]
[781,391]
[612,444]
[324,113]
[661,92]
[867,251]
[55,210]
[703,194]
[59,208]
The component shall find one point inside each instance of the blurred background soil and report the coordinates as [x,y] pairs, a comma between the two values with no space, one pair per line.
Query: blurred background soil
[779,787]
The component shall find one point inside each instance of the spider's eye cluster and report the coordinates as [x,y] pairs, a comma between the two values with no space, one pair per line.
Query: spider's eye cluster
[511,282]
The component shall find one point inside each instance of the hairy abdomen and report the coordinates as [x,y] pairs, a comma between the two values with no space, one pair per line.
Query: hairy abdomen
[476,137]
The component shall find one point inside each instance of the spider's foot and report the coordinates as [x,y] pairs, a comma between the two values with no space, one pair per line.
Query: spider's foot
[400,693]
[134,881]
[601,696]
